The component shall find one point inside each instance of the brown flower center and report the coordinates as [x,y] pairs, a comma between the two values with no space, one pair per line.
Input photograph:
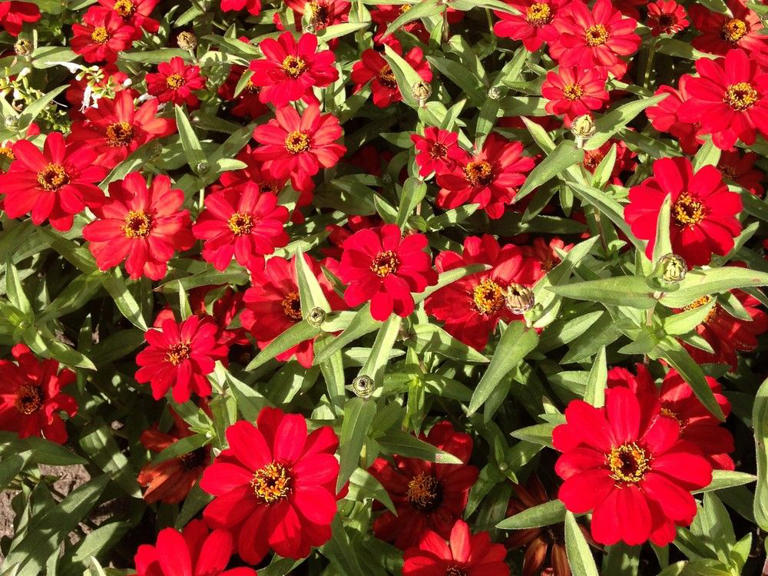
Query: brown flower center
[137,225]
[178,353]
[240,223]
[628,463]
[119,134]
[538,14]
[596,35]
[125,8]
[271,483]
[734,30]
[741,96]
[194,459]
[385,263]
[687,211]
[100,35]
[292,306]
[573,92]
[29,399]
[293,66]
[53,177]
[488,297]
[478,173]
[456,571]
[175,81]
[387,77]
[666,21]
[424,492]
[297,142]
[319,15]
[438,151]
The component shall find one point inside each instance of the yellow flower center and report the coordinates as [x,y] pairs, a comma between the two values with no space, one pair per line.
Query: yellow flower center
[53,177]
[741,96]
[100,35]
[488,297]
[404,8]
[137,225]
[293,66]
[125,8]
[387,77]
[478,173]
[702,301]
[596,35]
[538,14]
[318,14]
[7,152]
[573,92]
[385,263]
[29,399]
[424,492]
[292,306]
[175,81]
[178,353]
[628,463]
[297,142]
[119,134]
[734,30]
[240,224]
[687,211]
[271,483]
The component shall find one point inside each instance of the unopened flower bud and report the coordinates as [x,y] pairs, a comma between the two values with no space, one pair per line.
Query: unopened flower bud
[186,41]
[583,128]
[519,299]
[23,47]
[494,93]
[202,167]
[363,386]
[673,268]
[421,91]
[316,316]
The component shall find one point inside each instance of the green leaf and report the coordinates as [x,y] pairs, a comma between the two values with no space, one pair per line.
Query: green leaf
[607,207]
[424,9]
[435,339]
[580,558]
[100,446]
[760,423]
[609,124]
[363,484]
[33,110]
[405,75]
[10,466]
[554,165]
[311,294]
[515,343]
[536,434]
[413,193]
[362,323]
[698,283]
[723,479]
[404,444]
[296,334]
[708,155]
[597,381]
[552,512]
[686,321]
[629,291]
[115,284]
[602,173]
[663,244]
[15,291]
[382,346]
[358,417]
[193,150]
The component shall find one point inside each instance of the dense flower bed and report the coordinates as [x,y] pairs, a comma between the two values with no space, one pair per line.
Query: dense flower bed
[443,288]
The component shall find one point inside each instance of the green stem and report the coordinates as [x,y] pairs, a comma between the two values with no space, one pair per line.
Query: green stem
[649,63]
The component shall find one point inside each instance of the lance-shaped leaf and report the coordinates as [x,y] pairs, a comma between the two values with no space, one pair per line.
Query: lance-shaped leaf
[294,335]
[760,422]
[700,283]
[597,381]
[615,291]
[580,558]
[405,75]
[425,9]
[554,165]
[193,150]
[545,514]
[662,244]
[358,417]
[618,118]
[404,444]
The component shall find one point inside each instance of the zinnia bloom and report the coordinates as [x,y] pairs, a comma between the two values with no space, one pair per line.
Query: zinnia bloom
[703,216]
[135,13]
[437,151]
[275,486]
[193,552]
[139,224]
[740,169]
[54,184]
[30,396]
[427,496]
[296,146]
[533,24]
[381,266]
[246,104]
[465,554]
[572,92]
[253,6]
[666,17]
[666,116]
[240,221]
[175,82]
[490,178]
[14,14]
[323,13]
[729,98]
[720,33]
[594,37]
[373,68]
[290,70]
[179,356]
[630,468]
[101,36]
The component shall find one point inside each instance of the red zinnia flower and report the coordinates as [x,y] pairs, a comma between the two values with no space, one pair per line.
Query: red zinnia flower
[373,68]
[720,33]
[427,495]
[436,151]
[678,402]
[31,397]
[572,92]
[101,36]
[175,82]
[596,37]
[323,13]
[54,184]
[290,70]
[142,225]
[384,14]
[703,216]
[193,552]
[666,17]
[729,98]
[740,169]
[180,355]
[246,103]
[624,159]
[13,15]
[629,466]
[136,13]
[240,221]
[275,486]
[472,306]
[489,178]
[464,554]
[253,6]
[533,24]
[665,116]
[381,266]
[116,128]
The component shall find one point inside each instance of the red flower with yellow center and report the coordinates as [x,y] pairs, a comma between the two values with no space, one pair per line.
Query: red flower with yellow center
[572,92]
[176,82]
[101,36]
[719,33]
[373,68]
[533,23]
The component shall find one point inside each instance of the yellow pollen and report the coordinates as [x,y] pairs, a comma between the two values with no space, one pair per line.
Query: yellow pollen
[271,483]
[119,134]
[318,14]
[702,301]
[478,173]
[573,92]
[240,224]
[687,211]
[124,8]
[488,297]
[137,225]
[178,353]
[7,152]
[294,66]
[404,8]
[424,492]
[538,14]
[100,35]
[671,414]
[734,30]
[741,96]
[297,142]
[175,81]
[29,399]
[385,263]
[596,35]
[387,77]
[53,177]
[628,463]
[292,306]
